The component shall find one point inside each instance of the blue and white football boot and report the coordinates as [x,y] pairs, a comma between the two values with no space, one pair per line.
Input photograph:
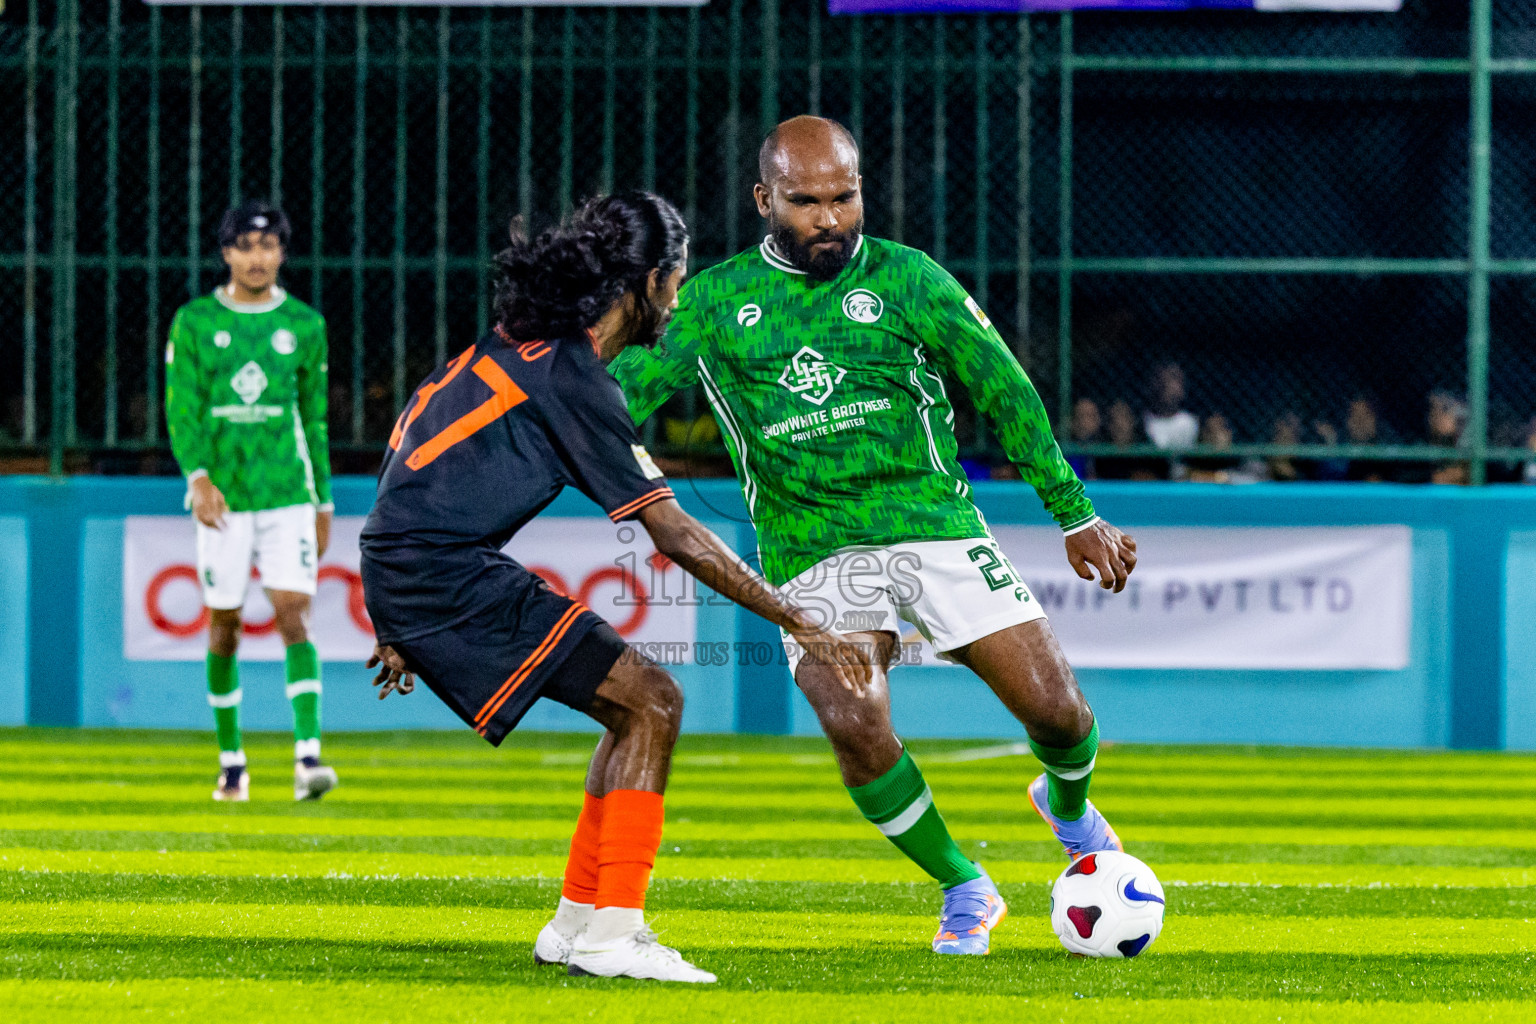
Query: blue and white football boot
[1088,834]
[971,910]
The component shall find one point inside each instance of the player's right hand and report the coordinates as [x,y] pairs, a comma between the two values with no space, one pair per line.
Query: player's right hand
[394,676]
[851,661]
[208,504]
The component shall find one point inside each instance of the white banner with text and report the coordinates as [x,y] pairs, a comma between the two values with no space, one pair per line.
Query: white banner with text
[614,570]
[1231,598]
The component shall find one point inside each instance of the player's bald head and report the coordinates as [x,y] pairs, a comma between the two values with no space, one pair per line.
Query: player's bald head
[806,144]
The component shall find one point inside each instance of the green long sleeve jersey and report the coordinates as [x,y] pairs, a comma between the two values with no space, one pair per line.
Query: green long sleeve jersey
[245,400]
[830,398]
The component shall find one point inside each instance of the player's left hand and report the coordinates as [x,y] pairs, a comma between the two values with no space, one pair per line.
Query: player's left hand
[394,676]
[322,530]
[1106,549]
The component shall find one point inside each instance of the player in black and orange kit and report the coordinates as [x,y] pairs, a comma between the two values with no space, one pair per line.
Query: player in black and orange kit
[482,447]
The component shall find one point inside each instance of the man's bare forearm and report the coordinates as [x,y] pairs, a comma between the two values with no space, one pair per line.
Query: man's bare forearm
[706,557]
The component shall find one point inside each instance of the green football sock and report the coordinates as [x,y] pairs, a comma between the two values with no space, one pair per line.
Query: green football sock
[1069,770]
[900,805]
[302,665]
[224,697]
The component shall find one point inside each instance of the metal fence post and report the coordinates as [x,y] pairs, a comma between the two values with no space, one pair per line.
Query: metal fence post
[1481,187]
[109,327]
[1022,227]
[1064,209]
[29,241]
[66,79]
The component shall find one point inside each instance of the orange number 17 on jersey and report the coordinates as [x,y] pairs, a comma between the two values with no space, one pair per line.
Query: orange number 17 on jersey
[505,395]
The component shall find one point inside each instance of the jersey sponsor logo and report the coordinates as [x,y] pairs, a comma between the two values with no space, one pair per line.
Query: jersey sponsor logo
[284,341]
[647,464]
[170,353]
[249,382]
[810,376]
[222,339]
[977,312]
[749,314]
[862,306]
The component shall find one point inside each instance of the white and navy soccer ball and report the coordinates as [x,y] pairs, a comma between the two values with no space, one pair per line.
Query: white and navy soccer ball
[1107,904]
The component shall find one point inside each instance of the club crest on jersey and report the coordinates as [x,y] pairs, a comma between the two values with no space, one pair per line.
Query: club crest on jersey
[249,382]
[862,306]
[810,376]
[221,339]
[284,342]
[749,314]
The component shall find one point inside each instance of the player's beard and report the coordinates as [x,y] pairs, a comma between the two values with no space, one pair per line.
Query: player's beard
[820,266]
[649,324]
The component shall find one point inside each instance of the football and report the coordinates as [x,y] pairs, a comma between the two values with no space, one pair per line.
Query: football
[1107,904]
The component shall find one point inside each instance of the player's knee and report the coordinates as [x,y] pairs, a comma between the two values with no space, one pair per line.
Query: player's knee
[1065,720]
[292,627]
[224,631]
[663,699]
[848,719]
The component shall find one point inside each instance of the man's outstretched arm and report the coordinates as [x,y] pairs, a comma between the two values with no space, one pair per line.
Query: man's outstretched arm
[968,346]
[705,556]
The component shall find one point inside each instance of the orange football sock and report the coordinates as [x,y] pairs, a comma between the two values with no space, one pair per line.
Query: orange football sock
[626,853]
[581,868]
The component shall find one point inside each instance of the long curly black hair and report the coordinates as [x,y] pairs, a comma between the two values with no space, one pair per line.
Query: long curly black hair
[564,280]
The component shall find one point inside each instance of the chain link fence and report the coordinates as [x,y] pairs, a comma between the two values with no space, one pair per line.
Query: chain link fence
[1285,208]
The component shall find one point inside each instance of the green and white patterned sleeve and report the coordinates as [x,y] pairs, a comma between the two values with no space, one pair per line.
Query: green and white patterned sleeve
[650,376]
[313,402]
[186,402]
[966,344]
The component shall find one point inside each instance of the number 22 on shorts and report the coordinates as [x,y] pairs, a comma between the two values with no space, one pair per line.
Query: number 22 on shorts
[504,395]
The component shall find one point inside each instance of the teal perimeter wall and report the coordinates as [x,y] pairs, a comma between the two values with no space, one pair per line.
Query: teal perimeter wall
[1470,681]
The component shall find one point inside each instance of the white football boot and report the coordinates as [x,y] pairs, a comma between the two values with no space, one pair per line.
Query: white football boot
[236,790]
[558,937]
[638,955]
[552,946]
[312,781]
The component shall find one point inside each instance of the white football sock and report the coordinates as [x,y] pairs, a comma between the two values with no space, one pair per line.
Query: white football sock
[612,923]
[572,918]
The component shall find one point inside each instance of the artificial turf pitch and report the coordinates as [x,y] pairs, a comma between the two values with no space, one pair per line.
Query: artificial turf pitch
[1302,885]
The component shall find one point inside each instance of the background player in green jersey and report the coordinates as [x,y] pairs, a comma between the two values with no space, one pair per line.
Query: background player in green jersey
[821,352]
[245,405]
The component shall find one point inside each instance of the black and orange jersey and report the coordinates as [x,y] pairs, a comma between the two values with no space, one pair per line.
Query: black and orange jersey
[483,446]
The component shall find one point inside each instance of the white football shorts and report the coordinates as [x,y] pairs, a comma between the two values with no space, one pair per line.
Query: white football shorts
[279,542]
[954,591]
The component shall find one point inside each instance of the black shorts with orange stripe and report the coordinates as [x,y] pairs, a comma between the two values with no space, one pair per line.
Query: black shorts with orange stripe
[527,642]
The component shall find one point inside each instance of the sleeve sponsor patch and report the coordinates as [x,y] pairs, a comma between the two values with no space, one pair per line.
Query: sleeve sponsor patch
[647,464]
[977,312]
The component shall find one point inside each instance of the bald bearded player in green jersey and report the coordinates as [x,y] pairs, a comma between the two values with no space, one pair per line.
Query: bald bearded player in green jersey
[821,352]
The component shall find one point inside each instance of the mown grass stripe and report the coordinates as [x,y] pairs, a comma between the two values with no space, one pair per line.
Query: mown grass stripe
[360,805]
[346,1002]
[806,897]
[1108,787]
[879,971]
[900,898]
[259,862]
[558,827]
[872,846]
[1318,810]
[724,929]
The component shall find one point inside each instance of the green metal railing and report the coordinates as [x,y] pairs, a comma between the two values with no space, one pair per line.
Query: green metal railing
[401,140]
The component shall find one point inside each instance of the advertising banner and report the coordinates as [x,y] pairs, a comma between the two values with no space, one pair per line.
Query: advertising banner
[614,570]
[1206,598]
